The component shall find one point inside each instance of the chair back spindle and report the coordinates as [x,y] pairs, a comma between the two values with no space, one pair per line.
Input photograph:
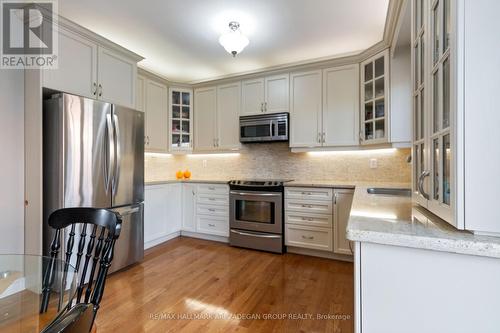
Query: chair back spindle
[105,226]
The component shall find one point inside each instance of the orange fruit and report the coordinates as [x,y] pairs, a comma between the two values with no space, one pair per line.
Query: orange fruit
[187,174]
[179,174]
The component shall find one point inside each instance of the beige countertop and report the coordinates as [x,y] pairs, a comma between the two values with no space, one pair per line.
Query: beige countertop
[394,220]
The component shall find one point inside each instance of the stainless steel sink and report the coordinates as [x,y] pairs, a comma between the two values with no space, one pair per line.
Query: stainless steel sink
[402,192]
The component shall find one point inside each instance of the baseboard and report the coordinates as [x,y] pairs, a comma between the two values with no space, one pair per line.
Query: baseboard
[321,254]
[221,239]
[161,239]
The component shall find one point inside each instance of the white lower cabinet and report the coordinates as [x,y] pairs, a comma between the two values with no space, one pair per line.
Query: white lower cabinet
[213,225]
[188,207]
[316,218]
[162,213]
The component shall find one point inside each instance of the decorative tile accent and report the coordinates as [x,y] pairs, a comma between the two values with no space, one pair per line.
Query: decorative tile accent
[275,161]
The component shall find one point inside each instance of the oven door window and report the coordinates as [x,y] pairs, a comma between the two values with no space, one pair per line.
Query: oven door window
[254,211]
[255,131]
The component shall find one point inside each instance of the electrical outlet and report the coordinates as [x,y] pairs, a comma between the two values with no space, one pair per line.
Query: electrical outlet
[373,163]
[204,163]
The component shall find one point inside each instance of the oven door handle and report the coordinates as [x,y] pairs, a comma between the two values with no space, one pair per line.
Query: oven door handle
[255,234]
[256,194]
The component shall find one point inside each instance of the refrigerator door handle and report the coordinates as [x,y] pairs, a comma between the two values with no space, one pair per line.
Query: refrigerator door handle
[116,177]
[110,162]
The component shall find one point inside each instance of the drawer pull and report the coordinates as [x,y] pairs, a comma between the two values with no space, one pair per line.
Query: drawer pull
[211,199]
[306,206]
[211,225]
[306,193]
[211,188]
[211,210]
[307,219]
[308,237]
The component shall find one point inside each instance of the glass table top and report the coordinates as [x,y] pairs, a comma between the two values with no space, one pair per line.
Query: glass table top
[21,286]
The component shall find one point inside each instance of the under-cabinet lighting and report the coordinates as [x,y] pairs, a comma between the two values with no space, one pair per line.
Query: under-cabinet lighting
[214,155]
[157,154]
[365,152]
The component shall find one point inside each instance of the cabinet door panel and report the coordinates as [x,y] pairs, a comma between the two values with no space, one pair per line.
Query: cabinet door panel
[252,97]
[305,109]
[277,94]
[156,117]
[155,212]
[341,106]
[228,116]
[188,207]
[140,95]
[205,102]
[117,78]
[341,211]
[77,67]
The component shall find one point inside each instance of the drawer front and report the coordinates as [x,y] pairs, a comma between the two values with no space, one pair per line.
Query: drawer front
[309,206]
[309,219]
[308,237]
[309,193]
[212,199]
[213,189]
[213,210]
[212,225]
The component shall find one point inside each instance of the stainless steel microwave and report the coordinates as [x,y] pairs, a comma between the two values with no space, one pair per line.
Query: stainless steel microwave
[264,128]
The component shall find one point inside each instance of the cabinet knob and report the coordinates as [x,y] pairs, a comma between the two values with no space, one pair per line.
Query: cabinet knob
[100,90]
[95,88]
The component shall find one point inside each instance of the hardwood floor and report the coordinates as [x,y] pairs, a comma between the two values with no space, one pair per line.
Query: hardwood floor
[191,285]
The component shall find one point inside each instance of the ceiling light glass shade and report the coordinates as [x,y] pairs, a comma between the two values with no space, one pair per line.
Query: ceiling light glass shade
[233,41]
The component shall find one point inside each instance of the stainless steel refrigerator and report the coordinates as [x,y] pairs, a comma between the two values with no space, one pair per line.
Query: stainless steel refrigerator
[94,157]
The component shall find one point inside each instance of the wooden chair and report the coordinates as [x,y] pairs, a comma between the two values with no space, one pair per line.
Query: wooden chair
[101,224]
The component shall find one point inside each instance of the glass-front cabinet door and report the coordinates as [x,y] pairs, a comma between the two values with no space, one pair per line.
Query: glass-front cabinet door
[181,119]
[375,99]
[420,163]
[433,143]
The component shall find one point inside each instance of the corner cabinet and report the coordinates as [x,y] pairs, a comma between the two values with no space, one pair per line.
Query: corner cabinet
[181,119]
[375,99]
[455,153]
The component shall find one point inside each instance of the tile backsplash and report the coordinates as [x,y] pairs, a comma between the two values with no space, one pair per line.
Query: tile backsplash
[276,161]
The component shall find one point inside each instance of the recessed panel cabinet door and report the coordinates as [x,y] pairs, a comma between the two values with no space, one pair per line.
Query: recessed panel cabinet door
[228,116]
[156,117]
[205,103]
[305,109]
[77,67]
[140,93]
[277,93]
[188,207]
[117,78]
[252,97]
[155,212]
[341,106]
[341,211]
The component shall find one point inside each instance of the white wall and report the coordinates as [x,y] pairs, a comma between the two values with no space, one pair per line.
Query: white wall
[401,95]
[11,161]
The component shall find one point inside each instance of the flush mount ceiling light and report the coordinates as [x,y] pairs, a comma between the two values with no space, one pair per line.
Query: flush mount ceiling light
[234,41]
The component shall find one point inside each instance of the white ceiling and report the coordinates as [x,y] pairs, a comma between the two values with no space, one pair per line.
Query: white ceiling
[179,38]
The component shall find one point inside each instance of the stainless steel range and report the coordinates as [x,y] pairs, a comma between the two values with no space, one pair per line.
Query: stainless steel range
[256,214]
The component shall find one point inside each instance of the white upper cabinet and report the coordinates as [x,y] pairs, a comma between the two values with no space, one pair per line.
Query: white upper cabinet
[305,109]
[265,95]
[117,78]
[140,91]
[375,99]
[156,107]
[77,66]
[341,106]
[92,67]
[252,97]
[228,116]
[277,93]
[181,119]
[205,102]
